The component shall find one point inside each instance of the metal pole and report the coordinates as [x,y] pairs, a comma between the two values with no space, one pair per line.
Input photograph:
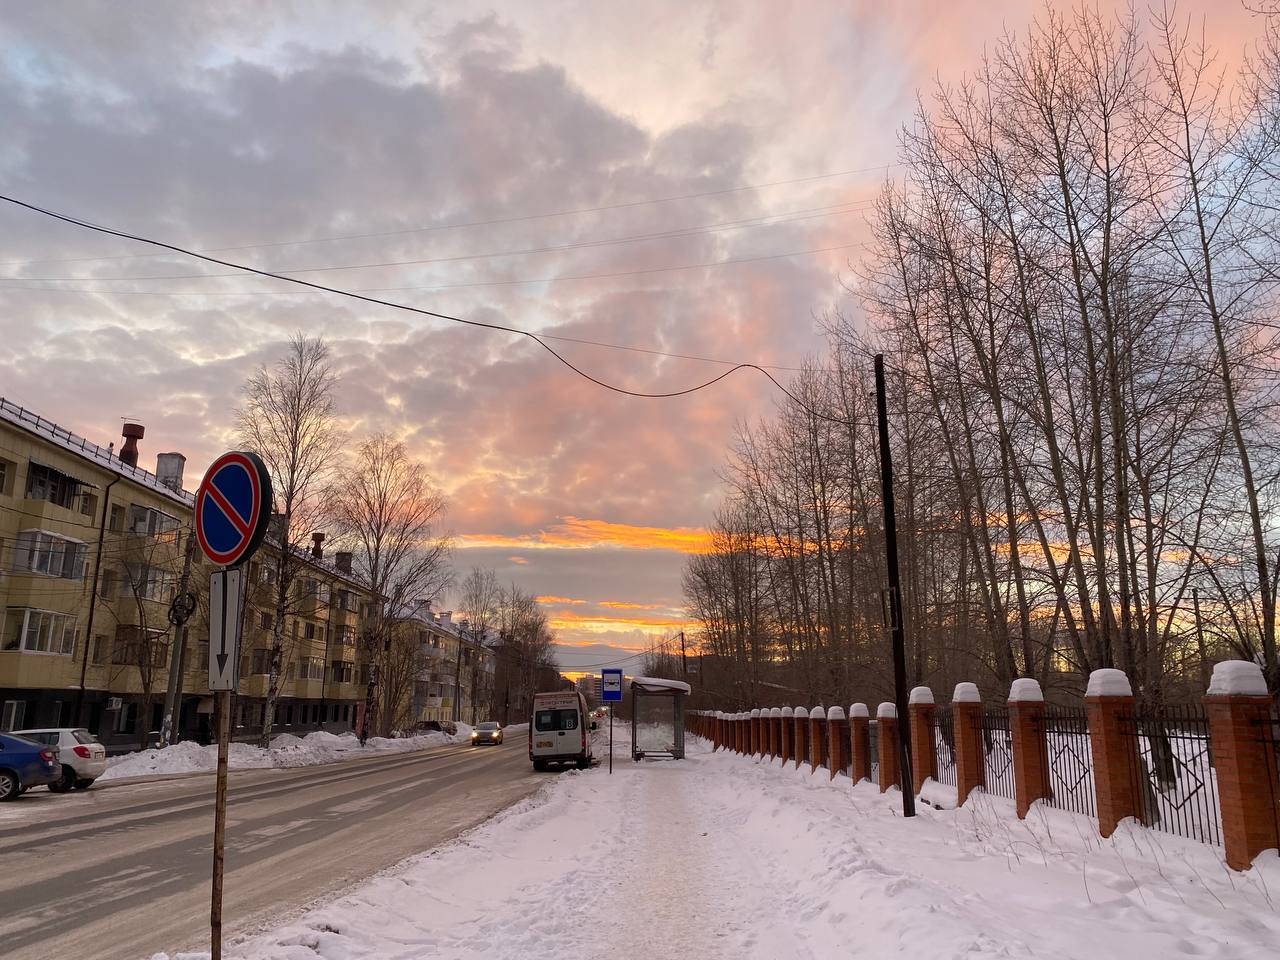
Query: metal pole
[895,596]
[611,739]
[222,704]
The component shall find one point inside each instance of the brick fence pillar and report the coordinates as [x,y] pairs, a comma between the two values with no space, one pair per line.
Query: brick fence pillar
[859,743]
[801,723]
[887,741]
[786,734]
[1245,760]
[775,737]
[837,741]
[740,740]
[1113,741]
[966,727]
[716,738]
[1030,748]
[817,737]
[924,750]
[755,732]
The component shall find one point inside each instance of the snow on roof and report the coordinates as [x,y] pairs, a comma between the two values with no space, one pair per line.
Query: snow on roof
[661,682]
[835,713]
[86,449]
[858,710]
[801,713]
[1026,690]
[1106,682]
[966,693]
[1236,678]
[921,695]
[887,711]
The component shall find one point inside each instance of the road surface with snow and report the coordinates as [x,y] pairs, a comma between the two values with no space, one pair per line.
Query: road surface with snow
[118,872]
[721,856]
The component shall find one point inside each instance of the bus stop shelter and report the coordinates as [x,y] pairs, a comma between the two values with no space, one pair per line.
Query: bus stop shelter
[657,718]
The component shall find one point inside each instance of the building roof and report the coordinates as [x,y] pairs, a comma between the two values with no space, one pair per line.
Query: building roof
[102,457]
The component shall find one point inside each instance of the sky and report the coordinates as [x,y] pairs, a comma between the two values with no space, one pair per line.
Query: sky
[686,177]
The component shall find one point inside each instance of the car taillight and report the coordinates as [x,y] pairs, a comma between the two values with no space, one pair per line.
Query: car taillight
[48,756]
[81,752]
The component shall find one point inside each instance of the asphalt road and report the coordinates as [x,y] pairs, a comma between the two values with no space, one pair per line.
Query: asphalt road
[121,872]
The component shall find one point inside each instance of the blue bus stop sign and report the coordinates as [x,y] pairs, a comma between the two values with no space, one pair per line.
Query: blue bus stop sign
[610,684]
[233,508]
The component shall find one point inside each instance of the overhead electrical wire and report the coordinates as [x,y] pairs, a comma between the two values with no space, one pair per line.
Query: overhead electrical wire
[492,221]
[480,324]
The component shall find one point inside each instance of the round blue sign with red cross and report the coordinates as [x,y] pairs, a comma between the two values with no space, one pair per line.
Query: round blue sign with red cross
[233,508]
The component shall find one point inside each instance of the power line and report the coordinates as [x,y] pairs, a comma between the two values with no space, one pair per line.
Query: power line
[811,213]
[98,228]
[493,221]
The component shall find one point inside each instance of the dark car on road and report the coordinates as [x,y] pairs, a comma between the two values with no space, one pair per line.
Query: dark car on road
[24,764]
[436,726]
[486,733]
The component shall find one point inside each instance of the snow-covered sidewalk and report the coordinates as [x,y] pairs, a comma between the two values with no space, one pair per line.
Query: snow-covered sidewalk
[721,856]
[286,750]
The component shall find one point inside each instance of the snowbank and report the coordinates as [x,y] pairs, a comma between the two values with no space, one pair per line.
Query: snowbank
[724,858]
[286,750]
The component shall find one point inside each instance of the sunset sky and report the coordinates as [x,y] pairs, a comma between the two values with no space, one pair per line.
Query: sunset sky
[467,138]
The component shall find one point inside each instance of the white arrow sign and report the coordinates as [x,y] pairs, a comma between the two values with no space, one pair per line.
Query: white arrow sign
[224,628]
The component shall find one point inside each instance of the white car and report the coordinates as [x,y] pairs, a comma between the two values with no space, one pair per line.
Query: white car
[82,757]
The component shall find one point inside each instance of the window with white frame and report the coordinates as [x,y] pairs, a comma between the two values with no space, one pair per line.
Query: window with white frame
[311,668]
[14,713]
[50,554]
[152,523]
[39,631]
[152,583]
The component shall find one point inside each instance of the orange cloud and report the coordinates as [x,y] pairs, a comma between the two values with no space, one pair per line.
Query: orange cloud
[520,560]
[623,605]
[558,600]
[576,533]
[582,621]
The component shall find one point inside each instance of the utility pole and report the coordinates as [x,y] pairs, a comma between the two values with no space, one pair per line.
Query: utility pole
[180,611]
[684,660]
[895,596]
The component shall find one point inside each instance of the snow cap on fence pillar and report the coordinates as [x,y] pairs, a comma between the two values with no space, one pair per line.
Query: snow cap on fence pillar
[1108,683]
[775,711]
[966,693]
[835,713]
[801,713]
[921,695]
[788,712]
[1026,690]
[887,711]
[755,713]
[858,710]
[1237,678]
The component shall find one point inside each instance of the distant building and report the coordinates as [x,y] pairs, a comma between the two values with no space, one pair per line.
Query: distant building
[589,687]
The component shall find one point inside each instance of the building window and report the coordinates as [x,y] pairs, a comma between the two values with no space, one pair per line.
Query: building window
[107,584]
[51,555]
[311,668]
[88,505]
[136,647]
[116,523]
[46,483]
[14,712]
[7,470]
[309,631]
[347,635]
[152,583]
[101,649]
[145,521]
[264,621]
[39,631]
[343,671]
[261,661]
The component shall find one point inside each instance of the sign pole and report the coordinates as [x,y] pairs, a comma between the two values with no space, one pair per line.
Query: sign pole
[222,705]
[611,739]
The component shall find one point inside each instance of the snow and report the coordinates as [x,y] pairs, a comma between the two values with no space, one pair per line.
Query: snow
[1236,678]
[775,712]
[835,713]
[286,750]
[755,714]
[717,857]
[1108,683]
[788,712]
[859,710]
[801,713]
[1026,690]
[966,693]
[921,695]
[887,711]
[661,682]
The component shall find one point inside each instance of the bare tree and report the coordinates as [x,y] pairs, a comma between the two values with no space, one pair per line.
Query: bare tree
[478,605]
[387,509]
[288,420]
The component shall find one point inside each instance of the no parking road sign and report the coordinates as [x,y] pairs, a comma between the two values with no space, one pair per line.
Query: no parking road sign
[233,508]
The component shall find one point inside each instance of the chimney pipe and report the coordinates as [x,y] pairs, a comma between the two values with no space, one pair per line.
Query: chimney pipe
[317,545]
[133,432]
[169,467]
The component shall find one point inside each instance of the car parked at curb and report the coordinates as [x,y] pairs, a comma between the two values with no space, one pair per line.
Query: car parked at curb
[435,726]
[83,758]
[25,764]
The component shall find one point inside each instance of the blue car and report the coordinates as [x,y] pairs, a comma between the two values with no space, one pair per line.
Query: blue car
[24,765]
